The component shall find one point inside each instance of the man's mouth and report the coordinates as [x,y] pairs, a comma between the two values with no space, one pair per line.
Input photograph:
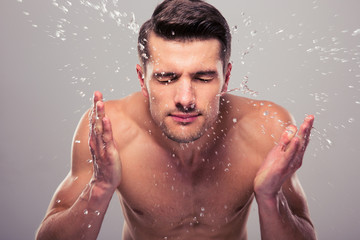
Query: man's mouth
[184,117]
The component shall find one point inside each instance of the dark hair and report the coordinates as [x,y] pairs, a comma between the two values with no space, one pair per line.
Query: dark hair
[183,20]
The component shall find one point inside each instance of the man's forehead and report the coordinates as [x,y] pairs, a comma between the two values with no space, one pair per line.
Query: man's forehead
[155,40]
[201,51]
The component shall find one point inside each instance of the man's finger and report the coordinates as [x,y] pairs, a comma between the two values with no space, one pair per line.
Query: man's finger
[100,114]
[305,130]
[108,135]
[287,136]
[92,114]
[97,97]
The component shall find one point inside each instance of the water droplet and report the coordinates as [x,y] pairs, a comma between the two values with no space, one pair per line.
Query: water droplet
[202,209]
[289,132]
[234,120]
[77,141]
[89,160]
[280,31]
[89,226]
[133,25]
[356,32]
[266,113]
[86,212]
[351,120]
[202,214]
[226,170]
[97,213]
[142,47]
[58,201]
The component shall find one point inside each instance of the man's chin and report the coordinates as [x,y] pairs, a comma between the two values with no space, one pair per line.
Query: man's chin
[181,138]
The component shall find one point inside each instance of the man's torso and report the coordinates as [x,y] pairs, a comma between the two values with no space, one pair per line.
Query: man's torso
[208,198]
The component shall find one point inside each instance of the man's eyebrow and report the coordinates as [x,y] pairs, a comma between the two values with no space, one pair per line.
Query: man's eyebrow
[207,73]
[164,74]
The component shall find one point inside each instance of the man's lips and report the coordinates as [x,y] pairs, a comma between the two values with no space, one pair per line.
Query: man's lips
[184,118]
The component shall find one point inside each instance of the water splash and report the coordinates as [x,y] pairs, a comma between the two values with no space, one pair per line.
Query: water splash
[133,26]
[356,32]
[244,88]
[81,23]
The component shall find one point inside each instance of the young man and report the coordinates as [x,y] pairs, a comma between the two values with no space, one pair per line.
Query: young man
[185,157]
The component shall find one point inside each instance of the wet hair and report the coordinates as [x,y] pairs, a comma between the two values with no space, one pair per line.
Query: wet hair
[185,20]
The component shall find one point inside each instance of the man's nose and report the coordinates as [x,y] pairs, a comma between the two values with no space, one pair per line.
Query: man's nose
[185,95]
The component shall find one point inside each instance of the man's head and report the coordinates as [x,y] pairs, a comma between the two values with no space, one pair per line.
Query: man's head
[185,20]
[184,51]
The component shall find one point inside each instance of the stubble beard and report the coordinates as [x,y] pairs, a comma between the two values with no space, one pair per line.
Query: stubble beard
[182,137]
[186,135]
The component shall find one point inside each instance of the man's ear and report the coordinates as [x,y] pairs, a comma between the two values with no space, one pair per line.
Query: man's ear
[227,78]
[141,78]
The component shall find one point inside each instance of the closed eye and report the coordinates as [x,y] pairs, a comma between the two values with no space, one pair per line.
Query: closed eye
[165,77]
[204,79]
[205,76]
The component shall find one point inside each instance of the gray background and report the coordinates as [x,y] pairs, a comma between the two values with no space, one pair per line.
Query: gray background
[304,55]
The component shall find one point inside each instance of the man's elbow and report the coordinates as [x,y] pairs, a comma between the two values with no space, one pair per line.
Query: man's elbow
[44,232]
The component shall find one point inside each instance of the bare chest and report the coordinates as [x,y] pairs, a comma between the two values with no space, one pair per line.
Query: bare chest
[158,195]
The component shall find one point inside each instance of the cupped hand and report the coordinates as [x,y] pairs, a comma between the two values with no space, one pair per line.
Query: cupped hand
[106,160]
[283,160]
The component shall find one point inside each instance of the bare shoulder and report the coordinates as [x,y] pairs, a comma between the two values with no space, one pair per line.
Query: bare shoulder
[128,117]
[259,121]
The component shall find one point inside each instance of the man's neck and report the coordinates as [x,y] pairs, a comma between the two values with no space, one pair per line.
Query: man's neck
[190,156]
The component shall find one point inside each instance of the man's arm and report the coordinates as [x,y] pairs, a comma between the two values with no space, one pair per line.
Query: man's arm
[281,201]
[80,202]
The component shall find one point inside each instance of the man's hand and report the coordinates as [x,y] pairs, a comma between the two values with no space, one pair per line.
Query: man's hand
[107,165]
[283,160]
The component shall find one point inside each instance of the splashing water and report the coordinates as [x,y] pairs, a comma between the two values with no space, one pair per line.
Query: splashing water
[244,88]
[99,28]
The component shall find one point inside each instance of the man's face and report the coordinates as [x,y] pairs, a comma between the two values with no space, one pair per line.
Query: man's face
[183,82]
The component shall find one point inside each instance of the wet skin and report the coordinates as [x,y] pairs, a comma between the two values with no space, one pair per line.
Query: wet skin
[185,158]
[209,196]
